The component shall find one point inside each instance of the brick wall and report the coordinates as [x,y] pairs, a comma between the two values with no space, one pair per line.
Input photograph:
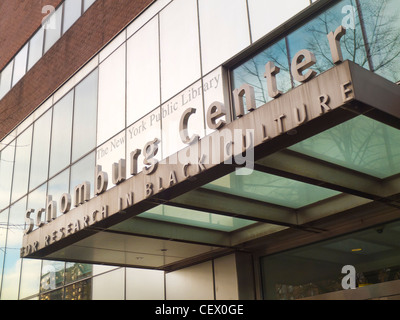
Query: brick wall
[100,23]
[19,19]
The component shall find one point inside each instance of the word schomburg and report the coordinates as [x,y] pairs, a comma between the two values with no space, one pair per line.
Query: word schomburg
[236,148]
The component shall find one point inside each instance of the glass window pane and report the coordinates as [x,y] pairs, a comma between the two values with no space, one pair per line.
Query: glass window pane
[77,271]
[52,275]
[35,47]
[224,30]
[37,200]
[30,277]
[313,37]
[20,64]
[83,170]
[109,153]
[143,80]
[87,4]
[111,112]
[61,134]
[6,173]
[171,115]
[137,137]
[53,28]
[113,45]
[58,186]
[272,189]
[21,166]
[265,16]
[252,72]
[40,150]
[179,45]
[72,12]
[85,116]
[360,144]
[5,79]
[53,295]
[79,291]
[382,24]
[196,218]
[12,260]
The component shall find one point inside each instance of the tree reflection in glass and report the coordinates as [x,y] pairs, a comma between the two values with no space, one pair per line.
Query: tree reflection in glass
[360,144]
[313,36]
[372,41]
[252,72]
[382,25]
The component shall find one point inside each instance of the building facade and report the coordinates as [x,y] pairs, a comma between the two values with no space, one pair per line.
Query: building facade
[200,149]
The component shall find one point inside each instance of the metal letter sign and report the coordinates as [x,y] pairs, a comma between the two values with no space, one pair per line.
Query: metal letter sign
[332,97]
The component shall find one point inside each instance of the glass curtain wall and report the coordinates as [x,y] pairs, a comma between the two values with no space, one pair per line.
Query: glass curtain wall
[56,151]
[371,41]
[77,132]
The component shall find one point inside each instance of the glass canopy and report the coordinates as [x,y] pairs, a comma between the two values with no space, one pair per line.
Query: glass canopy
[196,218]
[361,144]
[271,188]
